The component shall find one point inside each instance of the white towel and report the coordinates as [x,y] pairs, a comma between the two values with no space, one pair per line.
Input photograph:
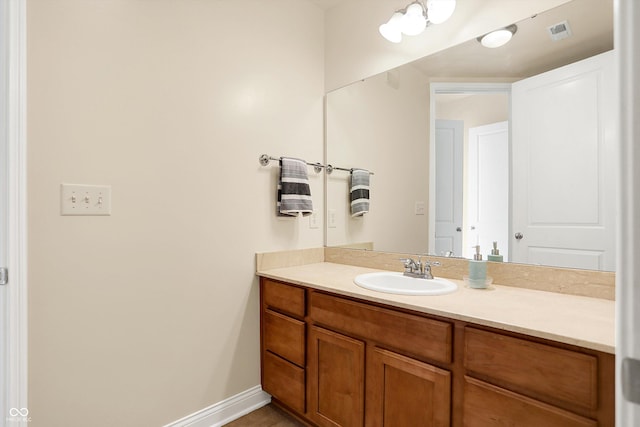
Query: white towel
[294,194]
[359,192]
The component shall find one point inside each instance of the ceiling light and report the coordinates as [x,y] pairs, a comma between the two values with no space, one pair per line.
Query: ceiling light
[499,37]
[439,11]
[392,30]
[413,19]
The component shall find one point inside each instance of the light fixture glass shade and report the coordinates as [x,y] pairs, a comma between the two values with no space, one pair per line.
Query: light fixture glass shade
[439,11]
[414,20]
[392,30]
[496,38]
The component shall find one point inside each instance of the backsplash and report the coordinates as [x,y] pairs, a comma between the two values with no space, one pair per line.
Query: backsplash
[292,258]
[595,284]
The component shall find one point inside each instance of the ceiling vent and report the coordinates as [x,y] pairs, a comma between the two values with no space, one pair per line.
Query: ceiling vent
[559,31]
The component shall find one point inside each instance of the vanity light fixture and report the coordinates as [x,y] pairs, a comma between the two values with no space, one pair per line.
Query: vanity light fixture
[392,30]
[499,37]
[439,11]
[413,19]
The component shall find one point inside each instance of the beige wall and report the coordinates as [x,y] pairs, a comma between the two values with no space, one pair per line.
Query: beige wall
[150,314]
[354,49]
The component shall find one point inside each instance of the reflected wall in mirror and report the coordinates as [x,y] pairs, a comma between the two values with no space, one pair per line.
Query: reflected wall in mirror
[380,124]
[383,124]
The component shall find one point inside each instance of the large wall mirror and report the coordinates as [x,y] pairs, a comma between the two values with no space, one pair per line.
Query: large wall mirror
[536,181]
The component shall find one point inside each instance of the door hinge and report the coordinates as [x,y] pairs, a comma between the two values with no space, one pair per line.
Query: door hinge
[4,276]
[631,379]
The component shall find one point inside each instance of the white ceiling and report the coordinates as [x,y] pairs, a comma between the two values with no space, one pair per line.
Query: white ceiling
[531,50]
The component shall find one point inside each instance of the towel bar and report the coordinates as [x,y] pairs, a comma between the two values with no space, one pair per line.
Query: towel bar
[264,160]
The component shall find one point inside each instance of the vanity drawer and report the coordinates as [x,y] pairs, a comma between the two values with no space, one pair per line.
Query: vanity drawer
[283,298]
[557,376]
[284,381]
[486,405]
[414,335]
[284,336]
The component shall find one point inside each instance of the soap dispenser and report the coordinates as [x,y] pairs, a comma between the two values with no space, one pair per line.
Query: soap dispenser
[495,254]
[477,270]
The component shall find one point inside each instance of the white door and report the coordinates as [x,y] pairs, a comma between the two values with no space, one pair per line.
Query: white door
[448,210]
[564,176]
[488,189]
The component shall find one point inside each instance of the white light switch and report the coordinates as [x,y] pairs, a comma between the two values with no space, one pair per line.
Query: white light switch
[313,220]
[332,218]
[85,199]
[419,208]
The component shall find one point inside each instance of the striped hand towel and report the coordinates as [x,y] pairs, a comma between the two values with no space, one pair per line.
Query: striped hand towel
[359,192]
[294,194]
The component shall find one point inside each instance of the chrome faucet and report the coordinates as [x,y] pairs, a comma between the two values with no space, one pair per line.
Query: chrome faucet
[418,269]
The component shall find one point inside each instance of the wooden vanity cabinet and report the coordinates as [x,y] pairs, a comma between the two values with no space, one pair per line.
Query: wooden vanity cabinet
[283,343]
[511,380]
[337,361]
[402,388]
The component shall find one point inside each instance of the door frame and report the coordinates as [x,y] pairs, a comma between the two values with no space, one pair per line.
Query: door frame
[627,55]
[453,88]
[14,333]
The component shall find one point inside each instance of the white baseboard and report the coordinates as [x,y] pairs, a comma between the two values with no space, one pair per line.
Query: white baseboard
[226,411]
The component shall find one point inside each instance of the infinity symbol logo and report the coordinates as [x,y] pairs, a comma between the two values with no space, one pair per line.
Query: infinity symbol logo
[14,412]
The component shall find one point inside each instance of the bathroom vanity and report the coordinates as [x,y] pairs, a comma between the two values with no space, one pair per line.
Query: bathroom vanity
[333,354]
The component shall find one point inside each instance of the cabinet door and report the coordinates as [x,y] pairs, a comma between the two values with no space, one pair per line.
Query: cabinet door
[336,379]
[486,405]
[402,391]
[556,376]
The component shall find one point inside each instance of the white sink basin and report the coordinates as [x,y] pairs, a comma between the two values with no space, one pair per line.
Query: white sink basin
[397,283]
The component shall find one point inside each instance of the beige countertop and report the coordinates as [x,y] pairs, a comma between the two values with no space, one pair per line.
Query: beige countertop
[577,320]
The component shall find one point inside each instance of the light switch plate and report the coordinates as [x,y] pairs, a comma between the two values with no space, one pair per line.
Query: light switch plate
[332,218]
[78,199]
[313,220]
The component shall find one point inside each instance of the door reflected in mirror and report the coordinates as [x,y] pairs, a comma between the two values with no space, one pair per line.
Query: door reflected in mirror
[471,165]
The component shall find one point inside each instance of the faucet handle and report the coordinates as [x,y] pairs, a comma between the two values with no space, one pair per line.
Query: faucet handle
[427,262]
[410,266]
